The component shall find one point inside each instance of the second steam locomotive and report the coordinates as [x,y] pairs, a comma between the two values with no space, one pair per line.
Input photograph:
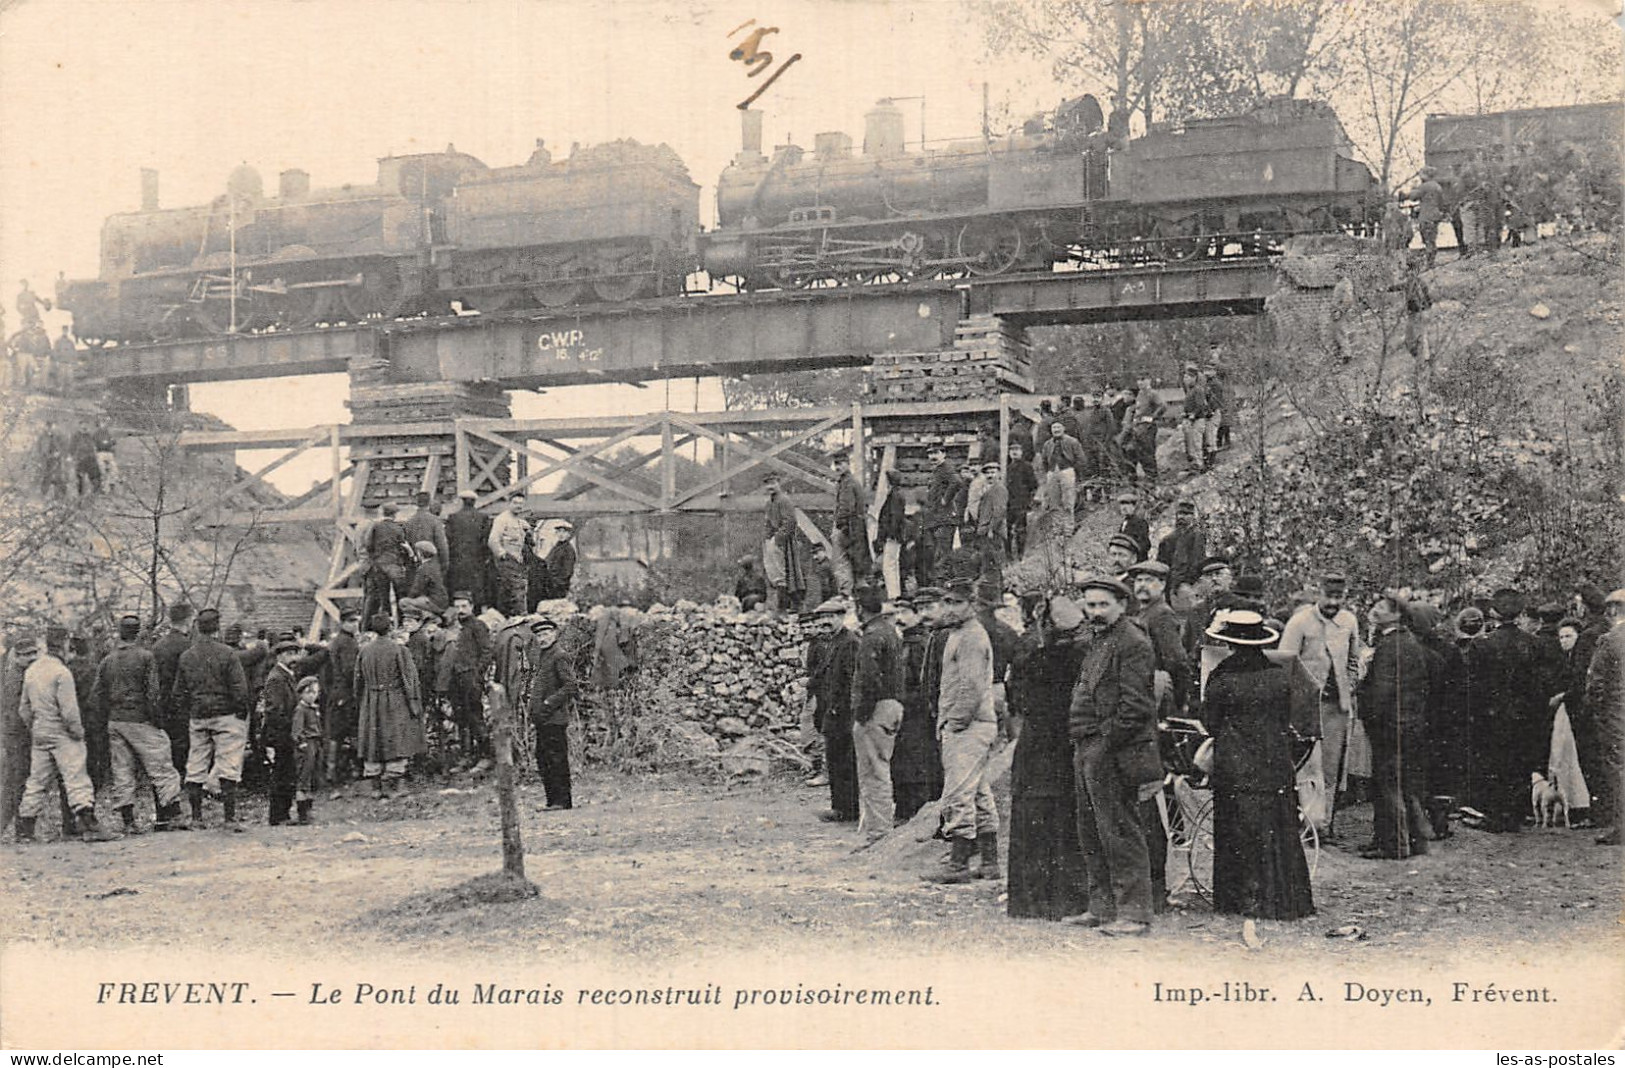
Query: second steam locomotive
[620,221]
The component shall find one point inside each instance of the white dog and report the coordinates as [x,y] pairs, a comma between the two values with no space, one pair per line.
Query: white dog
[1546,799]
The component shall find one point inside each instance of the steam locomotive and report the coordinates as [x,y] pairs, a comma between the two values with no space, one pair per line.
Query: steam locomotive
[616,220]
[620,221]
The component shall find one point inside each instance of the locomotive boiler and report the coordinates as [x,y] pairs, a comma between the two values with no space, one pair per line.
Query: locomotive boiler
[434,230]
[1065,189]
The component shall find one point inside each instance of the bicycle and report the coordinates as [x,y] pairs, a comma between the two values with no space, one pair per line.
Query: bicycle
[1185,804]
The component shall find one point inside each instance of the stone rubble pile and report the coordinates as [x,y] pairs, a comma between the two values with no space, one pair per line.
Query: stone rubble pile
[732,673]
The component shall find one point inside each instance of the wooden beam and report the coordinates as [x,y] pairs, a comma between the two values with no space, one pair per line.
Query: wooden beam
[258,477]
[753,457]
[622,470]
[574,463]
[668,465]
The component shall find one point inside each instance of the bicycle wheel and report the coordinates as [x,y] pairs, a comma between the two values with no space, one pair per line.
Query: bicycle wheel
[1201,847]
[1311,842]
[1176,825]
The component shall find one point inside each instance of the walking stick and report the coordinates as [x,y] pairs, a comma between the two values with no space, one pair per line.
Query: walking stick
[1337,781]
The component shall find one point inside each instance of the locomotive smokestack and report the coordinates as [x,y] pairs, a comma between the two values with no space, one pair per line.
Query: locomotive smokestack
[883,130]
[149,189]
[293,184]
[750,132]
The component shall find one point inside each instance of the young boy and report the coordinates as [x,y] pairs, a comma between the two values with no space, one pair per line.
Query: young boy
[307,739]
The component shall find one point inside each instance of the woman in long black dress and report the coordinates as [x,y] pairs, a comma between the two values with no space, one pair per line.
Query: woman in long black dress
[1258,864]
[1047,876]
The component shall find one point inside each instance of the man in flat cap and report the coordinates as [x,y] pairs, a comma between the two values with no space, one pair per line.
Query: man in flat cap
[552,693]
[50,708]
[1325,637]
[1060,457]
[274,727]
[877,712]
[1502,665]
[1605,703]
[338,694]
[1185,546]
[850,552]
[127,689]
[166,651]
[992,521]
[916,763]
[1121,553]
[1164,627]
[1209,589]
[784,561]
[212,687]
[467,657]
[937,510]
[510,534]
[1113,728]
[1133,522]
[468,532]
[831,663]
[967,731]
[423,525]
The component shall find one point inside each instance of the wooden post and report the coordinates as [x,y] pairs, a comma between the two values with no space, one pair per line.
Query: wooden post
[513,846]
[460,444]
[338,471]
[857,444]
[668,463]
[1004,434]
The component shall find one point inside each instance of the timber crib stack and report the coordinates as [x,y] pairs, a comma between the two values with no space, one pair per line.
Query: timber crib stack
[989,357]
[399,466]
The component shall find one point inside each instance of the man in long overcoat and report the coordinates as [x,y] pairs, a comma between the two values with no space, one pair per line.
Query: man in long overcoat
[1394,701]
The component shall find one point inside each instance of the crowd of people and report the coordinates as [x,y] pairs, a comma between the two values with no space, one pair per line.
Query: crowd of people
[1437,722]
[1072,453]
[195,709]
[32,360]
[1490,200]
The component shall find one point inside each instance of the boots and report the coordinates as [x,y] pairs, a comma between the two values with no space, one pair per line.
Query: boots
[228,801]
[90,830]
[956,869]
[127,814]
[194,800]
[25,829]
[304,813]
[378,788]
[170,818]
[987,845]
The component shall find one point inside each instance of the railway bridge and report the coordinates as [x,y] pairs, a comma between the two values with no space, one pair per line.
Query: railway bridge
[680,337]
[429,397]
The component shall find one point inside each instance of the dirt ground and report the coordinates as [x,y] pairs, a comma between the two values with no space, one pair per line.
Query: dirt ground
[667,868]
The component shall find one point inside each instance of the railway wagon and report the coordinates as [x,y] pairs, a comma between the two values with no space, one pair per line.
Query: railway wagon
[1452,140]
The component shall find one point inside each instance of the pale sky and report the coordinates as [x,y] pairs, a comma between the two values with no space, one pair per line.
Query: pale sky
[91,91]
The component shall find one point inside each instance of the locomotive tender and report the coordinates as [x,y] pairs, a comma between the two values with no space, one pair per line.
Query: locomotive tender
[620,221]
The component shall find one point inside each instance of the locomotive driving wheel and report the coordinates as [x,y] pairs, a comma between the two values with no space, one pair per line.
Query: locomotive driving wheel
[556,294]
[380,294]
[1178,242]
[297,308]
[615,288]
[989,246]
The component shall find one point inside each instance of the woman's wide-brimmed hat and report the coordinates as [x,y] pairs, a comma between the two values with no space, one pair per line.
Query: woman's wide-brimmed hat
[1239,626]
